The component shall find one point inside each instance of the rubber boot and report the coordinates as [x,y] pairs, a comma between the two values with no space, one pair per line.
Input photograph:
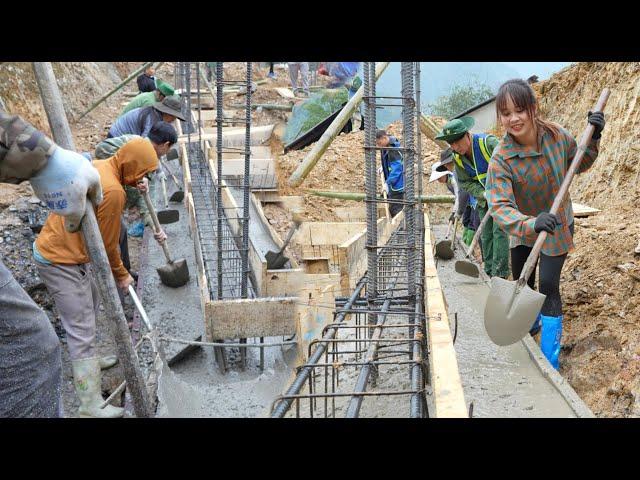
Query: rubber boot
[550,338]
[86,380]
[535,328]
[108,361]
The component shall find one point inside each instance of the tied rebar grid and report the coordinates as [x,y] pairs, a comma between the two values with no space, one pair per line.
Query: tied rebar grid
[350,348]
[222,252]
[389,327]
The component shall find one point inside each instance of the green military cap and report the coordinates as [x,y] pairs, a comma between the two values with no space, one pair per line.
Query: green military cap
[455,129]
[165,88]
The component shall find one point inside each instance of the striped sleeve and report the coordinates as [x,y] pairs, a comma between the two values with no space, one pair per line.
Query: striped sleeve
[502,202]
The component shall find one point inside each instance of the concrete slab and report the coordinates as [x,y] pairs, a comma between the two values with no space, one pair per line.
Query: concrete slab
[500,381]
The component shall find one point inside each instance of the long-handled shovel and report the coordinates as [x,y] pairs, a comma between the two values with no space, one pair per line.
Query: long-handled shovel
[464,266]
[178,195]
[384,195]
[277,260]
[166,215]
[444,248]
[512,306]
[175,273]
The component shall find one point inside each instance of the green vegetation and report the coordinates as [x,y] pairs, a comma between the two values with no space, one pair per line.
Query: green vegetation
[460,98]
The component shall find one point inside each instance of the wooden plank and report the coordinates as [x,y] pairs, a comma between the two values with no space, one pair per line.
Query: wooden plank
[267,196]
[257,151]
[234,137]
[327,233]
[316,265]
[580,210]
[448,395]
[257,166]
[285,92]
[253,317]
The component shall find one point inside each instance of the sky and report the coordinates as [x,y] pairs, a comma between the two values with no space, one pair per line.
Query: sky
[543,69]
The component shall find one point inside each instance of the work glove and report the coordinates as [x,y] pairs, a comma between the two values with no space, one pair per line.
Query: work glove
[547,222]
[385,188]
[64,183]
[379,170]
[597,120]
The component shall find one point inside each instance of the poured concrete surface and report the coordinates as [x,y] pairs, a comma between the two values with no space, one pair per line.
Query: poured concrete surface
[500,381]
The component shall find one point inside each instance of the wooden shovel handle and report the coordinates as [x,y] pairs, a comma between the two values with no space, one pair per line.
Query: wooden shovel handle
[564,188]
[476,236]
[156,223]
[164,190]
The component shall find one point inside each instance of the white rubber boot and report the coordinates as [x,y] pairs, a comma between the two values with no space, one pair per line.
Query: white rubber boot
[86,379]
[108,361]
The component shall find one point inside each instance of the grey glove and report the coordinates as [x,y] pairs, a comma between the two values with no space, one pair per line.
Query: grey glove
[547,222]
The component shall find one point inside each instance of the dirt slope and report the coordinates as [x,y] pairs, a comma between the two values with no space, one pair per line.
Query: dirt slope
[601,342]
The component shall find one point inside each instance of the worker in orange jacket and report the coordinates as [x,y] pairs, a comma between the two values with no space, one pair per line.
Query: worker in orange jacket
[65,268]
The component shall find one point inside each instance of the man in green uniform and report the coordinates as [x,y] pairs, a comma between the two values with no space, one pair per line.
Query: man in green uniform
[472,155]
[163,89]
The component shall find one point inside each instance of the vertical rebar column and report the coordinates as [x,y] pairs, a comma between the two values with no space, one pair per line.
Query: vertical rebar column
[199,106]
[219,100]
[187,78]
[246,189]
[408,117]
[370,185]
[419,164]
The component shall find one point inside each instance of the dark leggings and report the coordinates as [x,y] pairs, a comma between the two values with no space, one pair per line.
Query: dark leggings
[550,268]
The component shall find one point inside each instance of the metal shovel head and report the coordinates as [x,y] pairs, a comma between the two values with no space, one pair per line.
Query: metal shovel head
[509,313]
[168,216]
[177,196]
[467,268]
[443,250]
[175,274]
[275,260]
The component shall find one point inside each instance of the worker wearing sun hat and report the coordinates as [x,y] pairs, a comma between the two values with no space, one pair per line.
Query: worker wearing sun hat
[471,156]
[163,89]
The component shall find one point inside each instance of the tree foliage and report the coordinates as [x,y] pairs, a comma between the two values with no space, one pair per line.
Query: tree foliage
[460,97]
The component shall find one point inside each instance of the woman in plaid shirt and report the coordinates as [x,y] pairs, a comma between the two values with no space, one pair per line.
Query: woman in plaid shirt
[524,176]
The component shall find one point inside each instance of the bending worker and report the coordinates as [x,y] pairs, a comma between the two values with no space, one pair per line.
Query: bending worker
[471,157]
[524,178]
[140,120]
[146,99]
[63,264]
[30,362]
[392,169]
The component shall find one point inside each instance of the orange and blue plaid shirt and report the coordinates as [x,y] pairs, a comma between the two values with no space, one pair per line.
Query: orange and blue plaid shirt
[522,183]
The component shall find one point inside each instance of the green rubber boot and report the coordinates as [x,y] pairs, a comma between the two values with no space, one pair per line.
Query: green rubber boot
[86,380]
[108,361]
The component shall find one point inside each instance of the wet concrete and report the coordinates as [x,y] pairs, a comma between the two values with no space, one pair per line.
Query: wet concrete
[195,387]
[500,381]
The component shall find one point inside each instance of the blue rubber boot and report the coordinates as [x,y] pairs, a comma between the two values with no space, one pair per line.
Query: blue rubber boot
[535,328]
[550,338]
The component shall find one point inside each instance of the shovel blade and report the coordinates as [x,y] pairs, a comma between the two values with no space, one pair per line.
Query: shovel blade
[175,274]
[467,268]
[168,216]
[177,196]
[509,314]
[275,260]
[443,250]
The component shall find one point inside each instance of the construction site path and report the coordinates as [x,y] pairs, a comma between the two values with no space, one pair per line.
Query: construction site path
[500,381]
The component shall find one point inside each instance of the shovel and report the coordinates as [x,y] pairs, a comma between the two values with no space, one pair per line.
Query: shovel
[167,215]
[178,195]
[444,248]
[512,306]
[464,266]
[174,273]
[277,260]
[384,195]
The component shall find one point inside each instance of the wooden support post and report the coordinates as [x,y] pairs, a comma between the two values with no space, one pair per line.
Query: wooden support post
[116,88]
[52,102]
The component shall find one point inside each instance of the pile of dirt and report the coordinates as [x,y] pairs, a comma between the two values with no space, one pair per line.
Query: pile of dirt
[601,340]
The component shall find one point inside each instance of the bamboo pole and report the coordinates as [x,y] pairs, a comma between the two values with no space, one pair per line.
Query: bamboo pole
[430,129]
[52,102]
[116,88]
[359,196]
[310,160]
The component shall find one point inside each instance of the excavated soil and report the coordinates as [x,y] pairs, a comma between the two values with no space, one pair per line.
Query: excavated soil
[601,278]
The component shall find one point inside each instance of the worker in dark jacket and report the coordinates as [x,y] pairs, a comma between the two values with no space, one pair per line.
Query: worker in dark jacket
[393,170]
[147,81]
[30,362]
[139,121]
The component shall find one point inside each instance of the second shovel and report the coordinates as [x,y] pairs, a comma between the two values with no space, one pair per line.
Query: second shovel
[464,266]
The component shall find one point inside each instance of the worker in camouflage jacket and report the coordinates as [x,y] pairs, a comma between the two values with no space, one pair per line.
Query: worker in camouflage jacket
[30,362]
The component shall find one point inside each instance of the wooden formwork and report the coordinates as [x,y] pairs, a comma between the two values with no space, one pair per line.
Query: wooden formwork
[448,395]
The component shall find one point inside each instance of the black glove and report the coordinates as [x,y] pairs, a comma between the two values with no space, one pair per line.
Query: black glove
[452,216]
[547,222]
[597,120]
